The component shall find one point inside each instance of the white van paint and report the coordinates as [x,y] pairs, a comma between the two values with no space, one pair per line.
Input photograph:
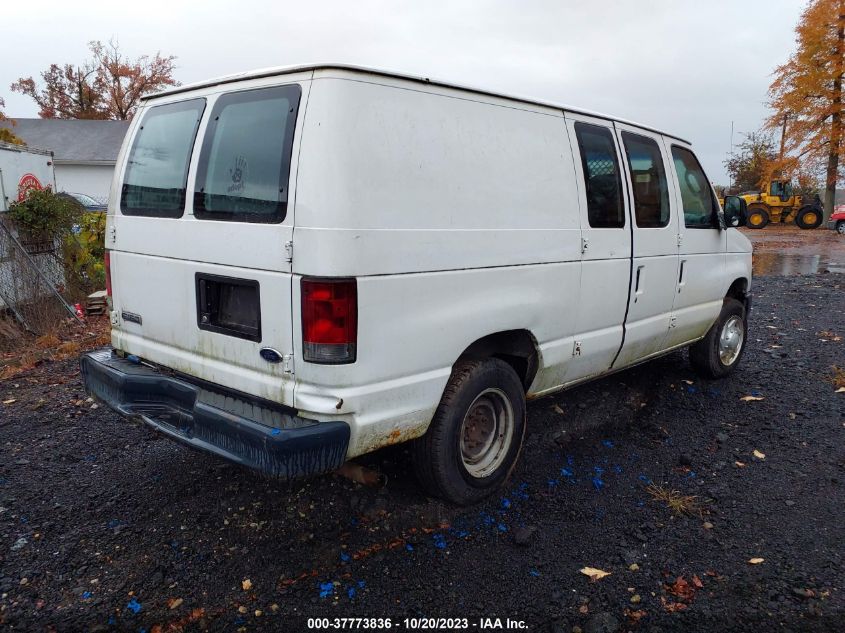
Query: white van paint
[459,213]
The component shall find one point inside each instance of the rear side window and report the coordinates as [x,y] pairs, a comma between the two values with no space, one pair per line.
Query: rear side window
[648,179]
[700,205]
[157,170]
[601,174]
[244,165]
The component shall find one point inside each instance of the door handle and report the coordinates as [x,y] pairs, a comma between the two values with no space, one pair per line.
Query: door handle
[637,287]
[681,281]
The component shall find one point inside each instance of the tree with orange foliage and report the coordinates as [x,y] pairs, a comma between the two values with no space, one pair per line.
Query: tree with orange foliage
[108,86]
[6,134]
[806,96]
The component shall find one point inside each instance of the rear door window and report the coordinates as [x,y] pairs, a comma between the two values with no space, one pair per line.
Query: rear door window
[244,164]
[701,208]
[156,176]
[601,174]
[648,180]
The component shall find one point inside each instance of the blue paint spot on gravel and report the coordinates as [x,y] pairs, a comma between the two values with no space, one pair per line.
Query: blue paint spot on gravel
[134,606]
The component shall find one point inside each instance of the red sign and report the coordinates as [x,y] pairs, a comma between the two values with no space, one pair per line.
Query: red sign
[28,183]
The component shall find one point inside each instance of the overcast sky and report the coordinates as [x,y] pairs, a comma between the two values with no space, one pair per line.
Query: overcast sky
[686,66]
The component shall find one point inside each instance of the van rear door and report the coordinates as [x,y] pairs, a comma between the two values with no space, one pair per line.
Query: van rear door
[198,231]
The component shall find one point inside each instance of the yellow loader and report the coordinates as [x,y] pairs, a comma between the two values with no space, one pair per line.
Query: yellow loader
[778,203]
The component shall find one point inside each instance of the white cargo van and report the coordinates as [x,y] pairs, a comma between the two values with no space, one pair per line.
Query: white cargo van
[310,263]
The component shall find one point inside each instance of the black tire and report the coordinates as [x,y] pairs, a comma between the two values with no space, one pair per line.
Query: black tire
[752,221]
[705,355]
[840,227]
[809,217]
[438,457]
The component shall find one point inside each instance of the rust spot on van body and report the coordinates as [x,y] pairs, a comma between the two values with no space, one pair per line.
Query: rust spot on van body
[397,435]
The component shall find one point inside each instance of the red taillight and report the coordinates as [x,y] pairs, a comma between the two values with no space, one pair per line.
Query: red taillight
[329,320]
[107,261]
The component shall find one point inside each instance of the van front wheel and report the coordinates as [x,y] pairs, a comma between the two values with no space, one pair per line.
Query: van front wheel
[476,434]
[719,352]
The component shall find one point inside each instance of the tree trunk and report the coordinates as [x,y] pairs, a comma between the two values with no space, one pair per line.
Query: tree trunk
[835,124]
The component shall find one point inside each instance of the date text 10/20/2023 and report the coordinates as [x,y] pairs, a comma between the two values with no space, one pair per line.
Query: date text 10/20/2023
[413,624]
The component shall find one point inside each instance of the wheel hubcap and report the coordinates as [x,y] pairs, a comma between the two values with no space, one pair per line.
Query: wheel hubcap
[486,432]
[810,218]
[755,219]
[730,340]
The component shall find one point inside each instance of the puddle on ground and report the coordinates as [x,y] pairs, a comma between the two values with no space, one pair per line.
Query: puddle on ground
[780,263]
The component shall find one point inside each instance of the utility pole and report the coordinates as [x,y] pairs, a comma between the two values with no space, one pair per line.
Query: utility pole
[783,137]
[730,177]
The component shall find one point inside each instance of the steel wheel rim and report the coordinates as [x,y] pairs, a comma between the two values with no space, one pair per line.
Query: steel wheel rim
[840,228]
[486,432]
[755,219]
[810,218]
[730,340]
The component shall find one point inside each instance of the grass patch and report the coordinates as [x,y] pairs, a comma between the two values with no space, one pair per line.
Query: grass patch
[680,504]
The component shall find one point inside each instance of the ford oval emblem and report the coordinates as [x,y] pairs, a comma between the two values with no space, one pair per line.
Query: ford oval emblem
[270,355]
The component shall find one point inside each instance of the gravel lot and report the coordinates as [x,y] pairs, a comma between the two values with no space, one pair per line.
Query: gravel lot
[106,526]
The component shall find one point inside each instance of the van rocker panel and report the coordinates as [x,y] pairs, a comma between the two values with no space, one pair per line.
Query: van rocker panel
[175,408]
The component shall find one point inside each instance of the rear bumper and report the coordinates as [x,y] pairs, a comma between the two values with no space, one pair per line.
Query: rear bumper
[187,412]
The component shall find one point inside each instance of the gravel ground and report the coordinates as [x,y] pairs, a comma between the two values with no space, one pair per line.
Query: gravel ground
[105,526]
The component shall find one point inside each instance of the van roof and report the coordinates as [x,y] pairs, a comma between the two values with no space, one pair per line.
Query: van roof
[284,70]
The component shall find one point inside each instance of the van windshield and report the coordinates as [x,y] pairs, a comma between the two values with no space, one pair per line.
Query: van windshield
[157,170]
[244,164]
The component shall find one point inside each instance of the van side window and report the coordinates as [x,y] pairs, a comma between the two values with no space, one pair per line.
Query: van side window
[648,178]
[157,169]
[601,175]
[700,205]
[244,164]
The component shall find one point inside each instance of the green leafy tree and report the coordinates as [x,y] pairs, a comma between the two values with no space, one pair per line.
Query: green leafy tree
[750,165]
[43,213]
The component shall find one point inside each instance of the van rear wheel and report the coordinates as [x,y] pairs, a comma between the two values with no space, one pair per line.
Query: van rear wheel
[476,434]
[719,352]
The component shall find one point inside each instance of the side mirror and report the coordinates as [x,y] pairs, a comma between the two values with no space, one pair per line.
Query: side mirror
[736,211]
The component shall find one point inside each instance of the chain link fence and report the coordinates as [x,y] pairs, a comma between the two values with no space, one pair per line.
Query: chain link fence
[32,281]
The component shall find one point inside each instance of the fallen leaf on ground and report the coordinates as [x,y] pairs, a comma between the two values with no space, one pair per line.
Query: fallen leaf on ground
[750,398]
[558,409]
[593,573]
[681,588]
[840,390]
[247,584]
[689,382]
[740,464]
[756,561]
[697,582]
[174,603]
[10,401]
[672,607]
[635,616]
[758,454]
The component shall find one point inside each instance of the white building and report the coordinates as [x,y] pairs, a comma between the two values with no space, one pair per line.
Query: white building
[84,151]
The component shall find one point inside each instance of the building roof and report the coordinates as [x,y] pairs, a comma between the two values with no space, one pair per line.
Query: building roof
[285,70]
[79,141]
